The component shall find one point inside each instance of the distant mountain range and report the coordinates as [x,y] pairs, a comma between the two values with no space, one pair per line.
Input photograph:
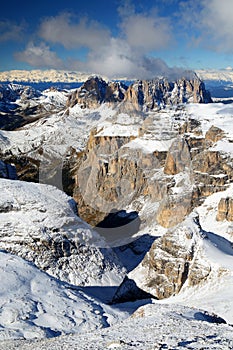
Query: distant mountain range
[52,75]
[37,76]
[225,75]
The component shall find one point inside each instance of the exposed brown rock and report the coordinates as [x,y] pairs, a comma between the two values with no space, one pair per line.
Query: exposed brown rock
[174,210]
[150,95]
[225,209]
[27,168]
[96,91]
[214,134]
[178,157]
[143,94]
[172,261]
[191,126]
[105,178]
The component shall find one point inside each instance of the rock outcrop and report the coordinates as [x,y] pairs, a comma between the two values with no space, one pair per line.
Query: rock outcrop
[172,261]
[141,95]
[225,209]
[214,134]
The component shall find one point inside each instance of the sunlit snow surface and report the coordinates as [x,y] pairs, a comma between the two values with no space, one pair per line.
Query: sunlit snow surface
[152,327]
[219,115]
[35,305]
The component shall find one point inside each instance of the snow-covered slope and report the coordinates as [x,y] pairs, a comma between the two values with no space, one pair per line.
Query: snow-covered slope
[54,134]
[38,223]
[35,305]
[215,295]
[21,105]
[151,327]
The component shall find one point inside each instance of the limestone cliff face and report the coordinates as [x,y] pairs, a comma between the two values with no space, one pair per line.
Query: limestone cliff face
[105,179]
[174,209]
[172,261]
[225,209]
[96,91]
[178,157]
[192,90]
[111,174]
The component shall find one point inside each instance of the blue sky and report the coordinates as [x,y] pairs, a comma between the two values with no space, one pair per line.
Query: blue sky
[116,38]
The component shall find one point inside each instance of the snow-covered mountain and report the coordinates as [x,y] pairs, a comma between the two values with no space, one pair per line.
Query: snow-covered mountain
[216,75]
[150,167]
[218,82]
[36,76]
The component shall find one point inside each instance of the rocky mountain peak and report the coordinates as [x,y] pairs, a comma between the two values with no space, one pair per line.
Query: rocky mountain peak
[151,94]
[96,91]
[142,94]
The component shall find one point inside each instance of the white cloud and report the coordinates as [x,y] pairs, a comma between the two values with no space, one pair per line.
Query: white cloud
[119,59]
[148,32]
[10,31]
[211,23]
[39,56]
[127,55]
[62,30]
[217,19]
[113,59]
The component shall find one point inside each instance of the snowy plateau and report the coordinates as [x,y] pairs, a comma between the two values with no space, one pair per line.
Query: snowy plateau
[116,216]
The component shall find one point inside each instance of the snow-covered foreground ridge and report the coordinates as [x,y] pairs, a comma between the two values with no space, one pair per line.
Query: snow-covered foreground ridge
[151,327]
[38,222]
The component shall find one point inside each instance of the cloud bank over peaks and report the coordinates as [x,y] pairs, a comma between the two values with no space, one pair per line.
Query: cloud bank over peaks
[130,54]
[119,59]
